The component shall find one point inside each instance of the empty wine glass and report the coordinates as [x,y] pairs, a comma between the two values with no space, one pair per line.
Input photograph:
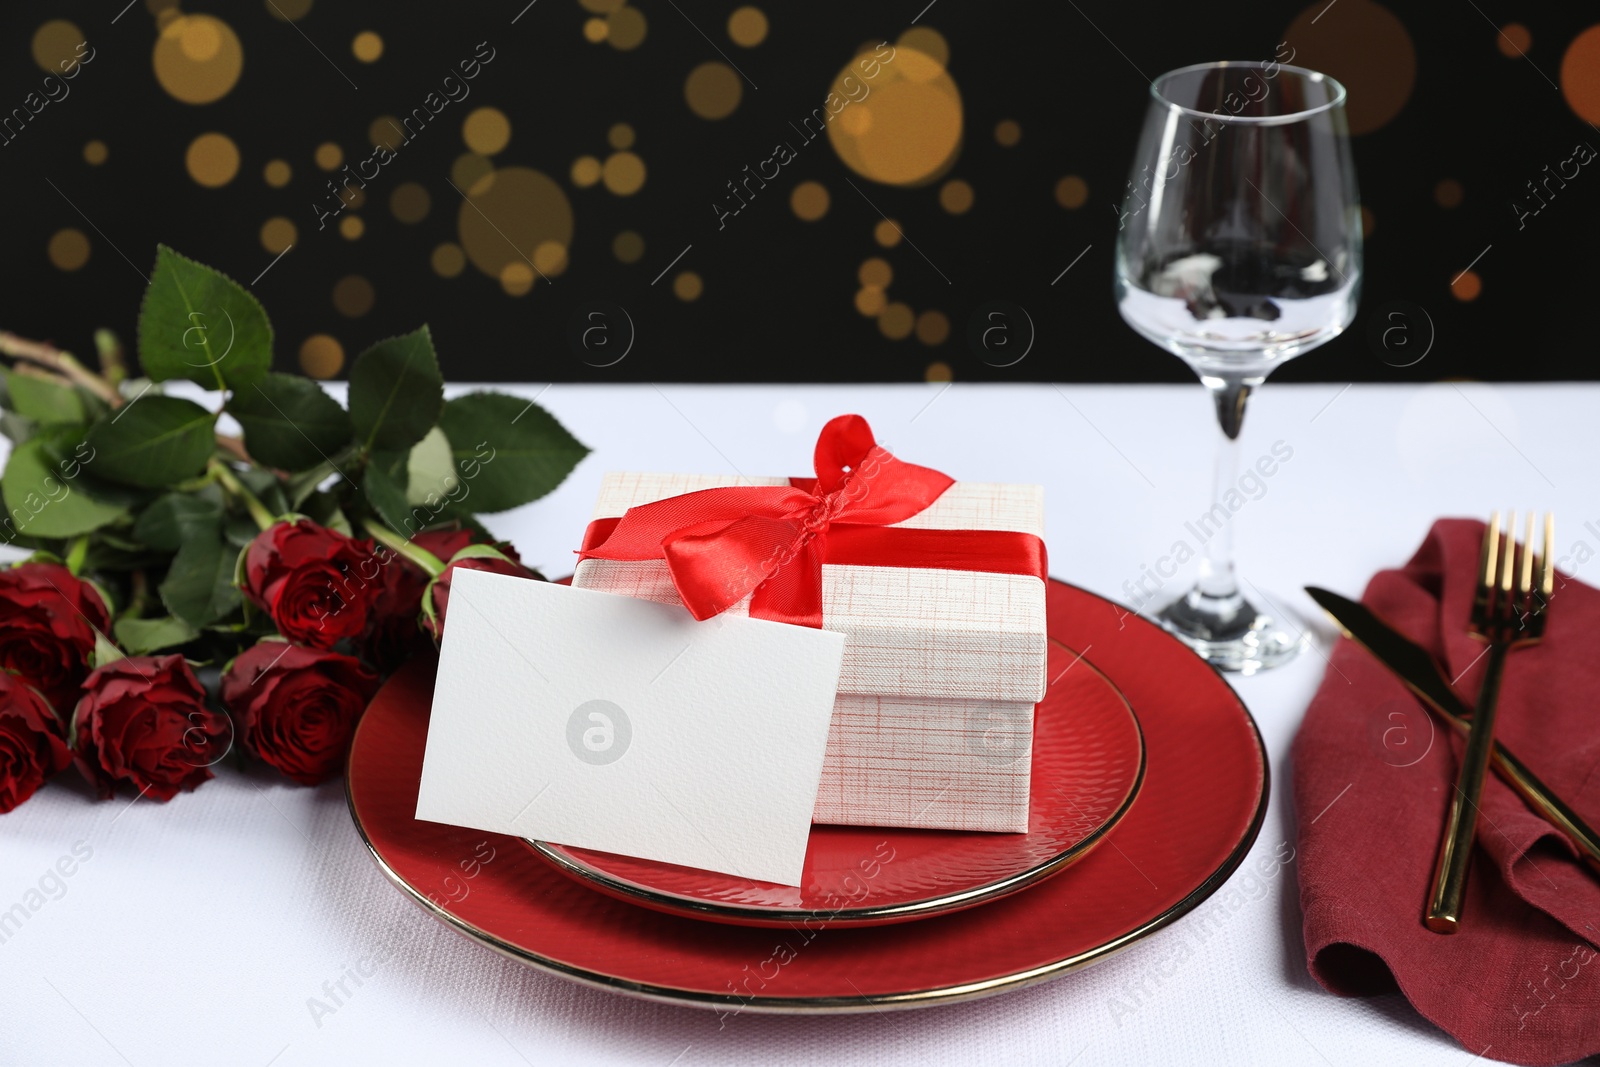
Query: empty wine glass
[1239,247]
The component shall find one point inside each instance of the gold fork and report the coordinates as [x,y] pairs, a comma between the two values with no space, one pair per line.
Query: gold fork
[1505,619]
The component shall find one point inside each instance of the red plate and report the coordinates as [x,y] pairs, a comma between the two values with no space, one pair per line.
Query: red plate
[1088,759]
[1200,808]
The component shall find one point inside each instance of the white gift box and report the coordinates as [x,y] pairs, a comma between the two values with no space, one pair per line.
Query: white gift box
[933,723]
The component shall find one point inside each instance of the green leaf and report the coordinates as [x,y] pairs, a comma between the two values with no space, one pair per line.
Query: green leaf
[396,391]
[507,450]
[177,517]
[199,585]
[267,488]
[42,496]
[384,486]
[289,422]
[430,468]
[43,400]
[323,509]
[153,442]
[200,324]
[143,636]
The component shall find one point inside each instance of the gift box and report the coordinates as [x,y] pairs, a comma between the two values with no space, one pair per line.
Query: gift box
[943,610]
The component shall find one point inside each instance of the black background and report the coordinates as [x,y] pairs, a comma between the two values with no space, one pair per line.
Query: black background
[778,300]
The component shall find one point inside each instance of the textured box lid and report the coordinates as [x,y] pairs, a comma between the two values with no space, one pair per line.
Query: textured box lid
[955,635]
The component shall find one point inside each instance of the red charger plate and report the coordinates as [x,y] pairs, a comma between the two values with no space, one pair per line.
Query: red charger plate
[1199,810]
[1087,762]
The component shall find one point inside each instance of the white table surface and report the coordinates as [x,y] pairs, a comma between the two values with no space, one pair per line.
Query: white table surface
[198,930]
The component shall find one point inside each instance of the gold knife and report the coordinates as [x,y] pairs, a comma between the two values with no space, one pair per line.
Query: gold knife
[1414,666]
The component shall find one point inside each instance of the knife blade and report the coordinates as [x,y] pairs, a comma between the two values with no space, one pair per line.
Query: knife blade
[1420,672]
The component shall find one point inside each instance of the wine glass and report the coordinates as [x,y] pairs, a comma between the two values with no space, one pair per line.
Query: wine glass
[1239,247]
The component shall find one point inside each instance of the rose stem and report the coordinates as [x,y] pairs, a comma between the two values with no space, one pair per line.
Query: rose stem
[236,488]
[410,550]
[60,362]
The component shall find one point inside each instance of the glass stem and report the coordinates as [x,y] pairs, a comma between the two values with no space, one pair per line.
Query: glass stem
[1229,393]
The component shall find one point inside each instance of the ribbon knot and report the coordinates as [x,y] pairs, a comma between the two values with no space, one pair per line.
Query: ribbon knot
[768,542]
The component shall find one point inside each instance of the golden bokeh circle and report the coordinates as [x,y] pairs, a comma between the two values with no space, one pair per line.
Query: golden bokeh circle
[1467,286]
[517,278]
[54,43]
[321,356]
[688,286]
[385,130]
[550,258]
[353,197]
[509,213]
[1449,193]
[212,160]
[620,136]
[277,234]
[68,249]
[486,130]
[585,171]
[1369,222]
[1367,48]
[896,321]
[928,41]
[1072,192]
[328,155]
[448,260]
[601,7]
[367,46]
[713,90]
[938,372]
[870,300]
[1580,74]
[875,271]
[1513,40]
[353,296]
[95,153]
[933,328]
[287,10]
[956,196]
[887,233]
[595,30]
[276,173]
[197,58]
[469,169]
[626,28]
[628,247]
[907,130]
[747,26]
[1007,132]
[158,7]
[623,173]
[351,227]
[410,203]
[809,201]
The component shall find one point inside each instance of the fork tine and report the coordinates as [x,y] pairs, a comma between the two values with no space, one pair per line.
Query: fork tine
[1547,567]
[1483,597]
[1508,560]
[1525,573]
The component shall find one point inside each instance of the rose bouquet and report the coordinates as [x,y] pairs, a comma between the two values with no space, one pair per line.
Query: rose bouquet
[191,592]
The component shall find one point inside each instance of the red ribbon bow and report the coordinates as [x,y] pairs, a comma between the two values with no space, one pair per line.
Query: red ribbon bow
[724,544]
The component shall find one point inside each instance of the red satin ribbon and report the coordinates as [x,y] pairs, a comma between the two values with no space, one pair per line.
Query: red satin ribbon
[769,542]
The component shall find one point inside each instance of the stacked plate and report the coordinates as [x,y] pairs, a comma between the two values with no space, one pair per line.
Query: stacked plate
[1149,785]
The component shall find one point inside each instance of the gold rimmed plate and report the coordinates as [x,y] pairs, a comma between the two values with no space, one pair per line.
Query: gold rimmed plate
[1087,765]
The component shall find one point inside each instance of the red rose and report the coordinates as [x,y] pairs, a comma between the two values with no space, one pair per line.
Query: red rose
[297,707]
[143,720]
[472,558]
[48,620]
[31,745]
[317,584]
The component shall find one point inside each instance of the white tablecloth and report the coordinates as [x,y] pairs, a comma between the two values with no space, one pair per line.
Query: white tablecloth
[197,931]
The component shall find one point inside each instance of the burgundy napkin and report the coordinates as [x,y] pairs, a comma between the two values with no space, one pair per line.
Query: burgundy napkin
[1373,774]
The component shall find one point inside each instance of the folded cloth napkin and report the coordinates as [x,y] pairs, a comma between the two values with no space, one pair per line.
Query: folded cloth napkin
[1373,773]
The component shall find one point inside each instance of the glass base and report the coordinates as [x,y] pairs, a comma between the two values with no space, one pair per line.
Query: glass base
[1230,633]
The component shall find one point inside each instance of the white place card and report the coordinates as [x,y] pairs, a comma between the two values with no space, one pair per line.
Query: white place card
[600,721]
